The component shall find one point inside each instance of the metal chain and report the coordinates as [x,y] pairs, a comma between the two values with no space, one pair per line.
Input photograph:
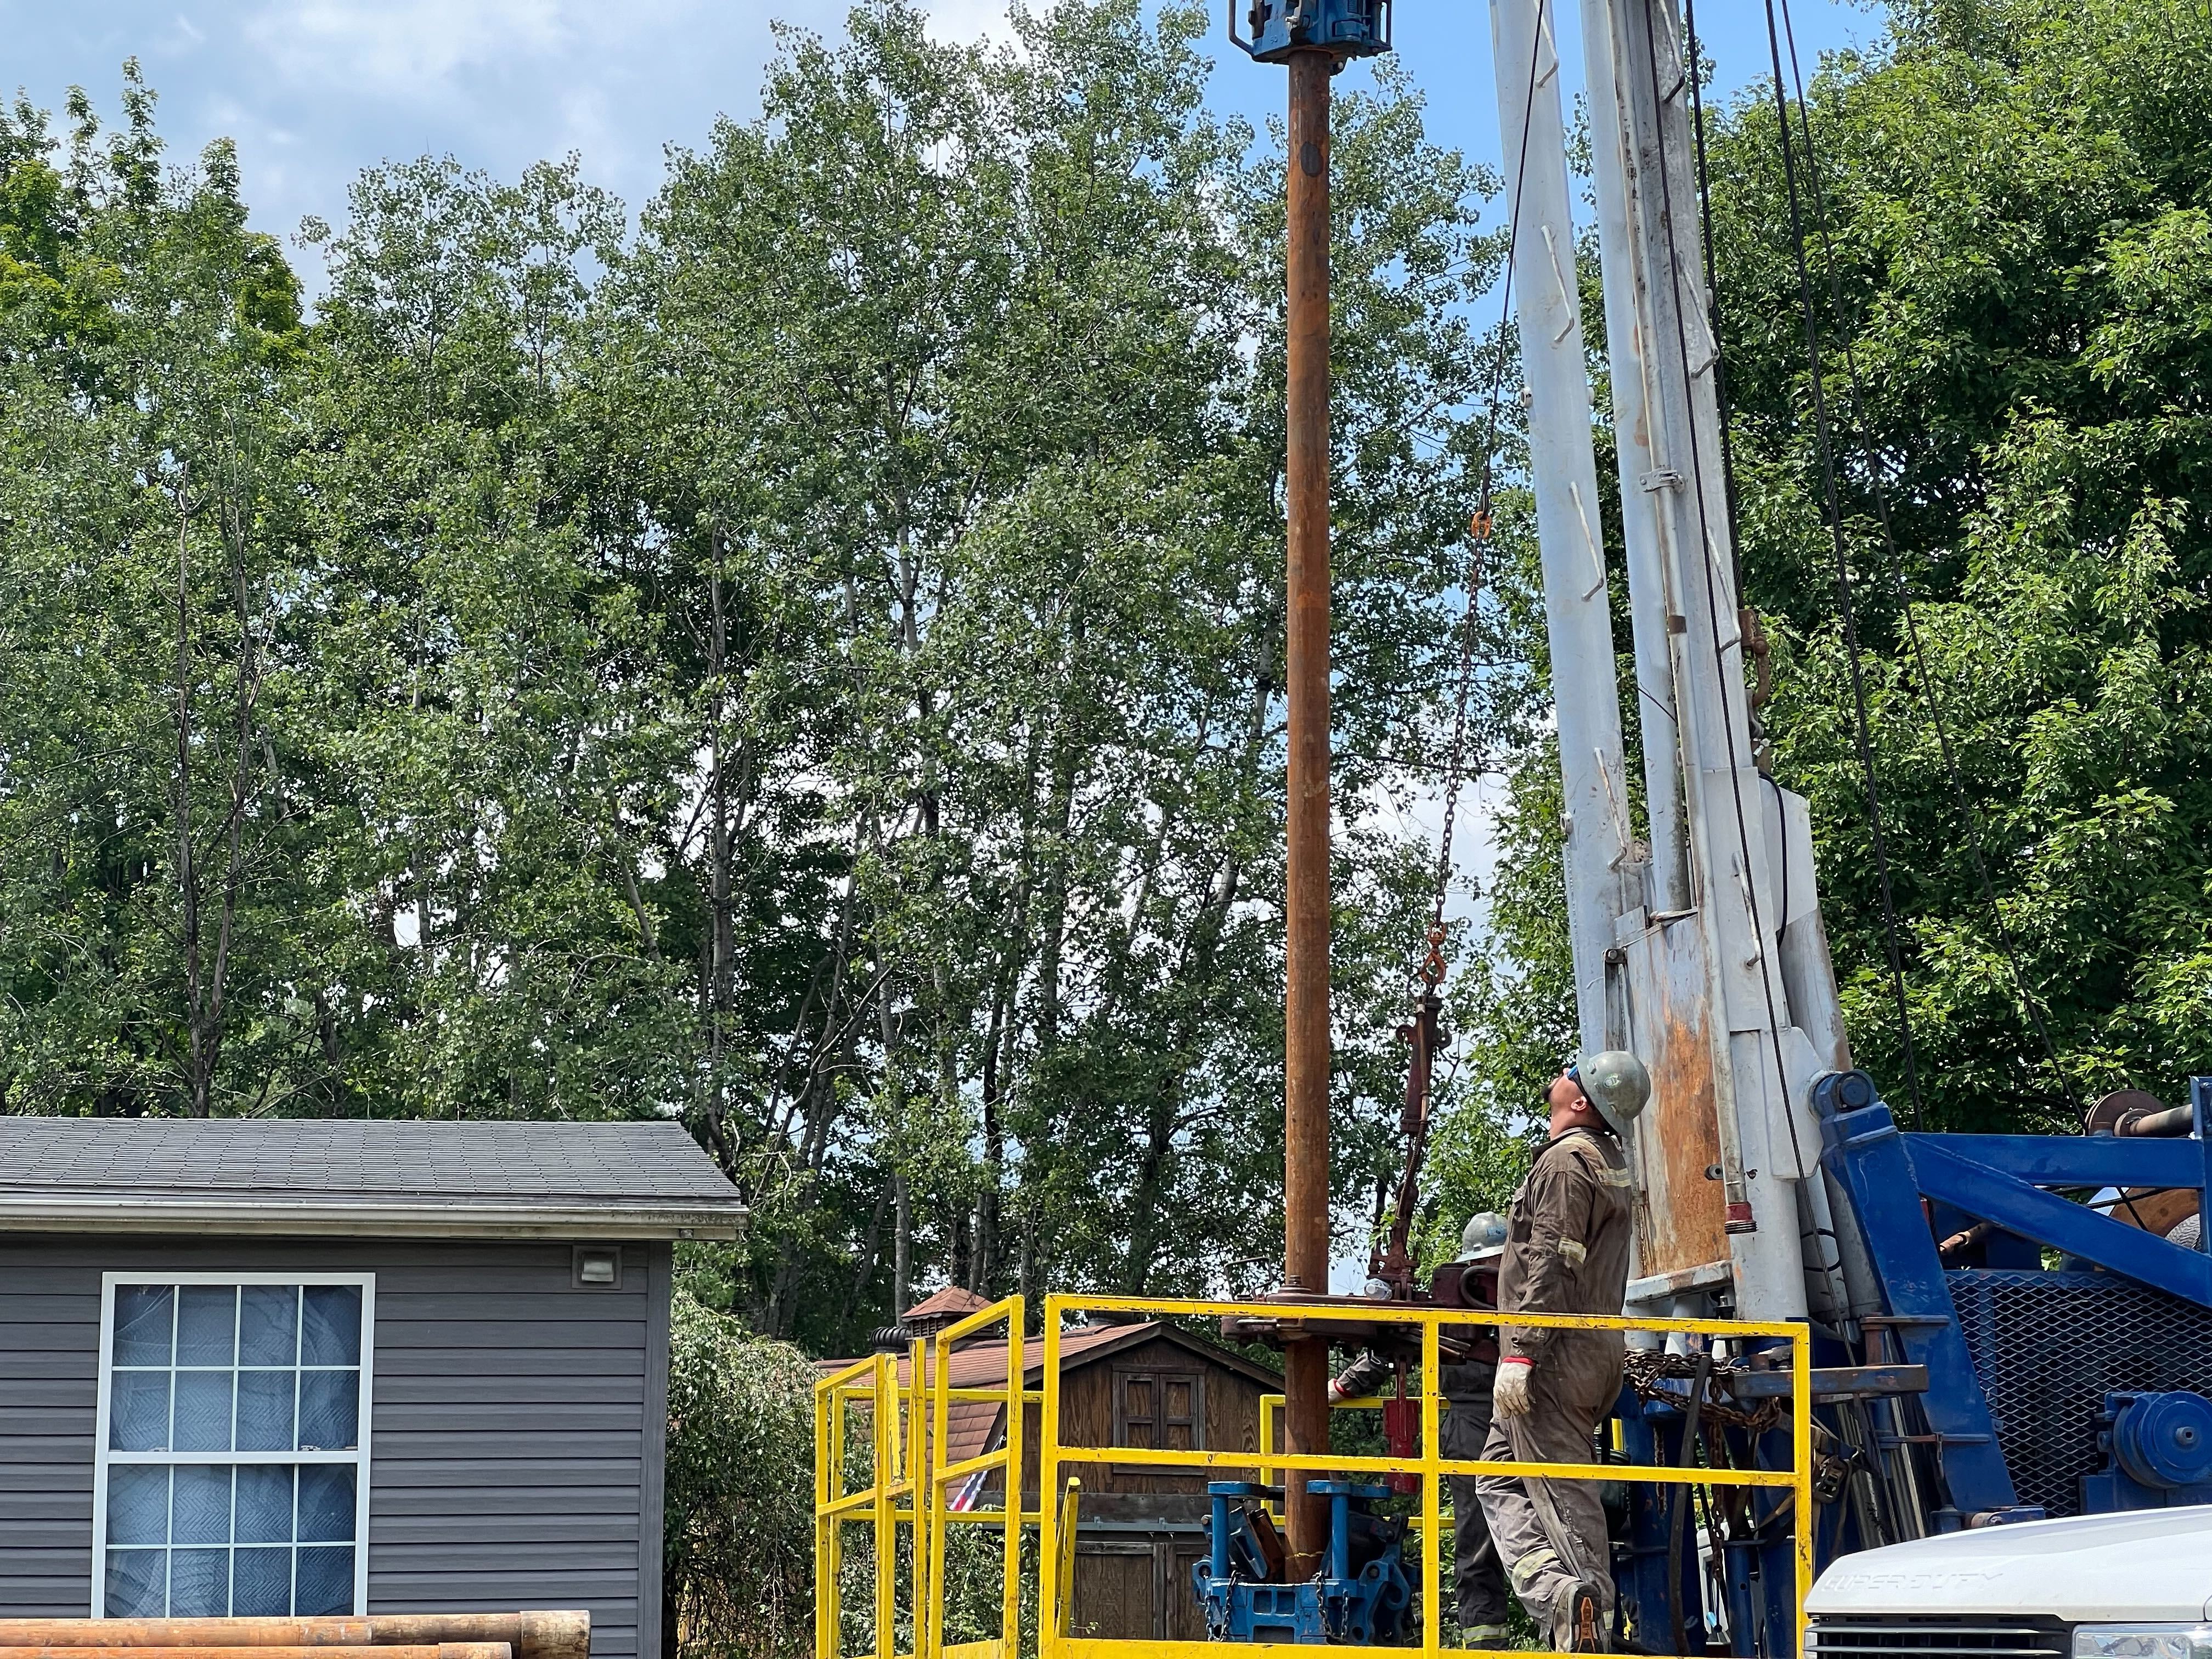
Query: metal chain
[1650,1370]
[1432,967]
[1431,974]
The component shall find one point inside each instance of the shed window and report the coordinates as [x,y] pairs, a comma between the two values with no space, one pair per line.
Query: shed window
[233,1466]
[1160,1409]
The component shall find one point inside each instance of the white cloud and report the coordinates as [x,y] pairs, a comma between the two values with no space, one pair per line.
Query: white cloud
[970,19]
[416,48]
[404,45]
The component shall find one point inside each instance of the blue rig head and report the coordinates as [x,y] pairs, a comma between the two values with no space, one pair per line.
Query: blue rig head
[1347,28]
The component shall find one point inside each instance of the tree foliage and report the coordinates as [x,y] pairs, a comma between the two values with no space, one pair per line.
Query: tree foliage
[738,1536]
[805,660]
[2015,195]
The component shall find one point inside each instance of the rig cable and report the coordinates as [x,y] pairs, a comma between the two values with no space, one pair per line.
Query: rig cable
[1962,800]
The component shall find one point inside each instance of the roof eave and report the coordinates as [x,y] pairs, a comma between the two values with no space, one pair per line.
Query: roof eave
[276,1217]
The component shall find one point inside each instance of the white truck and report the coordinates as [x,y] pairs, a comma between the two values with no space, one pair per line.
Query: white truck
[2136,1585]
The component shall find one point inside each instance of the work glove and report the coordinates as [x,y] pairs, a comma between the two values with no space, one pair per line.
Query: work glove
[1509,1396]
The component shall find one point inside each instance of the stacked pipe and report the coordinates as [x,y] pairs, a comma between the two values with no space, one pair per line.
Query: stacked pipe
[387,1635]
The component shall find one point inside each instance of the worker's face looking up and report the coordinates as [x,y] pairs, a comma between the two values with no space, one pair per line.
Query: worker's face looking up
[1571,1108]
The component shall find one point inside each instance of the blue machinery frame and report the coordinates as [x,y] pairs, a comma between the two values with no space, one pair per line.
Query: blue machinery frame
[2006,1181]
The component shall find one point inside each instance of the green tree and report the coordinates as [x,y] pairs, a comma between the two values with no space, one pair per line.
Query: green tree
[2015,196]
[808,663]
[149,829]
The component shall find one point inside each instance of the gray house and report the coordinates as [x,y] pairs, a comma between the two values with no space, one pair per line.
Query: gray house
[311,1367]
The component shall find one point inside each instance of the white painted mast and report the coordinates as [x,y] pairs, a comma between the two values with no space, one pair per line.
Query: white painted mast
[1691,953]
[1569,530]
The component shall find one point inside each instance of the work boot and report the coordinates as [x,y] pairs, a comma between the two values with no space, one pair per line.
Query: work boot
[1579,1619]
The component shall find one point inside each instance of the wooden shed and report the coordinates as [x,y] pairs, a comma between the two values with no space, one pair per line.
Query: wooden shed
[1139,1385]
[359,1367]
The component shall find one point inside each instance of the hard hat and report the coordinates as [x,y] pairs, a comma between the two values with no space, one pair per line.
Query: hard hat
[1482,1234]
[1616,1083]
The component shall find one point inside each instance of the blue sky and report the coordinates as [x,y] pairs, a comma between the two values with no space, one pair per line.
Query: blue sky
[312,90]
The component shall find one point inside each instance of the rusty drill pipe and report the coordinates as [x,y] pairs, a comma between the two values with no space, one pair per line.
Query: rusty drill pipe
[531,1634]
[1305,1006]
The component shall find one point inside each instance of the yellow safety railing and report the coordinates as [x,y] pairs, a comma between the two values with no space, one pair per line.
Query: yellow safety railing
[1007,1459]
[1427,1463]
[909,1473]
[908,1404]
[893,1415]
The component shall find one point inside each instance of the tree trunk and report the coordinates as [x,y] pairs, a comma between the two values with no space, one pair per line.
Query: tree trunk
[197,1083]
[720,950]
[902,1246]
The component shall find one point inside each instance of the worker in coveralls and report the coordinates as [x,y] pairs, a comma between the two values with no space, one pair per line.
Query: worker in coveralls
[1466,1388]
[1465,1385]
[1567,1252]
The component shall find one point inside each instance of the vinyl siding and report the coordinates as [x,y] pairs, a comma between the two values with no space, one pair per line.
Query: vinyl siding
[517,1423]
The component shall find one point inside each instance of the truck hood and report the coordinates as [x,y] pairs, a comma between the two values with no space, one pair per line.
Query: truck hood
[2148,1563]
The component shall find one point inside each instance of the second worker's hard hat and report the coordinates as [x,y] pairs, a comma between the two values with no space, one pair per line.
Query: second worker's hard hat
[1482,1233]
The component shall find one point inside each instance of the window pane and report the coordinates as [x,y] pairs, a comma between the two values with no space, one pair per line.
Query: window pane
[199,1583]
[325,1583]
[260,1582]
[137,1583]
[330,1332]
[138,1411]
[329,1417]
[264,1410]
[207,1324]
[203,1410]
[138,1504]
[200,1513]
[326,1505]
[141,1324]
[269,1325]
[264,1505]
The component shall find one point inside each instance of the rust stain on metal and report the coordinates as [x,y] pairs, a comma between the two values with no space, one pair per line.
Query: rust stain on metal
[1685,1214]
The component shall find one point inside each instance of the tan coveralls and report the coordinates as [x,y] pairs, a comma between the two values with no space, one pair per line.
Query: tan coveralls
[1566,1251]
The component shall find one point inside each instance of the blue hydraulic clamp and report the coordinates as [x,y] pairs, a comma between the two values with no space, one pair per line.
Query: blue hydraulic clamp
[1350,29]
[1361,1595]
[2158,1452]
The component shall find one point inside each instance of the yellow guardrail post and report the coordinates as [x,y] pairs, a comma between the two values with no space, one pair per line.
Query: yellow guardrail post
[1070,1528]
[1052,1594]
[943,1469]
[835,1507]
[1432,1503]
[825,1529]
[1010,1588]
[1271,1407]
[885,1427]
[1805,1524]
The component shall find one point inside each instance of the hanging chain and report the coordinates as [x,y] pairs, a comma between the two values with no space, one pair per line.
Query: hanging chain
[1432,967]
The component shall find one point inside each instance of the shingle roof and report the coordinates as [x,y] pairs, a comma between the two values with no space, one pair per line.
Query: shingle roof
[973,1427]
[953,1302]
[641,1180]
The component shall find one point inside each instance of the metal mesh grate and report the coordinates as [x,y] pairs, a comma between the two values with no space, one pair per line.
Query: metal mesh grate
[2048,1347]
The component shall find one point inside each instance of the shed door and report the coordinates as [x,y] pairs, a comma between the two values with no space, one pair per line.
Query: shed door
[1164,1409]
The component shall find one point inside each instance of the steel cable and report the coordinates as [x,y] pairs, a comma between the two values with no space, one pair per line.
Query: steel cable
[1960,799]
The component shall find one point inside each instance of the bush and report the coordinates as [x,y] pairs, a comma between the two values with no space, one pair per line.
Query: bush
[740,1575]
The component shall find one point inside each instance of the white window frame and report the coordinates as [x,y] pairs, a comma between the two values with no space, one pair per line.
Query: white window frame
[103,1459]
